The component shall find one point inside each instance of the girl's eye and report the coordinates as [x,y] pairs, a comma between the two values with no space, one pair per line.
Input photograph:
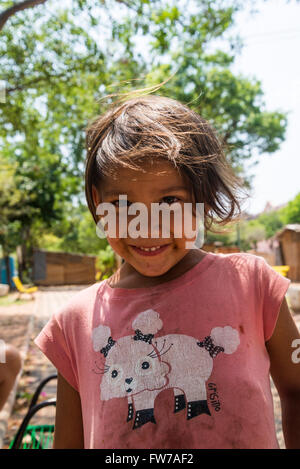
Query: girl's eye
[126,203]
[170,199]
[121,203]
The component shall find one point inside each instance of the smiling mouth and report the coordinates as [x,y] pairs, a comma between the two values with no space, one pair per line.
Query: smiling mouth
[151,250]
[153,247]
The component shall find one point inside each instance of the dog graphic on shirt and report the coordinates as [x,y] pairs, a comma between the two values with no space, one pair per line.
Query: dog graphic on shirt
[140,366]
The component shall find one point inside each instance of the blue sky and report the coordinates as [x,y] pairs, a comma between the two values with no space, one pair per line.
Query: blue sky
[271,54]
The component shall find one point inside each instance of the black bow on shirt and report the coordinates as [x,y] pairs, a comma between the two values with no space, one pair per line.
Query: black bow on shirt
[212,349]
[107,348]
[145,337]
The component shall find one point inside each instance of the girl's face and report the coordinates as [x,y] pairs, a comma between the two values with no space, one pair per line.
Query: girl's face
[155,182]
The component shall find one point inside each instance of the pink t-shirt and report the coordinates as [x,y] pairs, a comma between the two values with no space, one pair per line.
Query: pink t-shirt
[180,365]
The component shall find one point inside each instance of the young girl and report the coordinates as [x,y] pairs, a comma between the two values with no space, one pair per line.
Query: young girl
[175,349]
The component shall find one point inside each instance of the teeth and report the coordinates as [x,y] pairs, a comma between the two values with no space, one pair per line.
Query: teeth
[150,249]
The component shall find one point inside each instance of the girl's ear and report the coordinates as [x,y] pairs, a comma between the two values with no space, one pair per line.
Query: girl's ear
[95,194]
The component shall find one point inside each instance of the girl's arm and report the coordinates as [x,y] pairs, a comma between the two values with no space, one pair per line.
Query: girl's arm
[68,422]
[285,371]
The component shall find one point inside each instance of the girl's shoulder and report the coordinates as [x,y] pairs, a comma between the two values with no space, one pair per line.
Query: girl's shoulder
[243,260]
[254,268]
[79,304]
[248,267]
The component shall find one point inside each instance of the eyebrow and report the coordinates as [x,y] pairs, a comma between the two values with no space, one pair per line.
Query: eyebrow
[163,191]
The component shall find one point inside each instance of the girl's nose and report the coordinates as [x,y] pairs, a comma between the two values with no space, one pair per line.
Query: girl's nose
[128,380]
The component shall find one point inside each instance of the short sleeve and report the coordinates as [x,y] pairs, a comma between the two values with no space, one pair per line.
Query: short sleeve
[54,344]
[273,290]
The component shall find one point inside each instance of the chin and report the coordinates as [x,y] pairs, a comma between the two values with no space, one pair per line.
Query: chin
[154,274]
[151,272]
[148,272]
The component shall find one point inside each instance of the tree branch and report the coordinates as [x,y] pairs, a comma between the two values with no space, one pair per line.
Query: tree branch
[6,14]
[28,84]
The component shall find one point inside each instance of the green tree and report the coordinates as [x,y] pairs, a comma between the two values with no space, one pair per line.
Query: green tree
[15,204]
[291,213]
[58,62]
[271,221]
[252,233]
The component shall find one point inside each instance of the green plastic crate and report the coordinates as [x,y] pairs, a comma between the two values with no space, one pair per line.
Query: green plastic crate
[37,437]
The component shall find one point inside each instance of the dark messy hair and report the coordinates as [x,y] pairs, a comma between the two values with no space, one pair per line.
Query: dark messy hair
[153,126]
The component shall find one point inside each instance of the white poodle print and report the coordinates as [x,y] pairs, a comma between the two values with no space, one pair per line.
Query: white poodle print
[140,366]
